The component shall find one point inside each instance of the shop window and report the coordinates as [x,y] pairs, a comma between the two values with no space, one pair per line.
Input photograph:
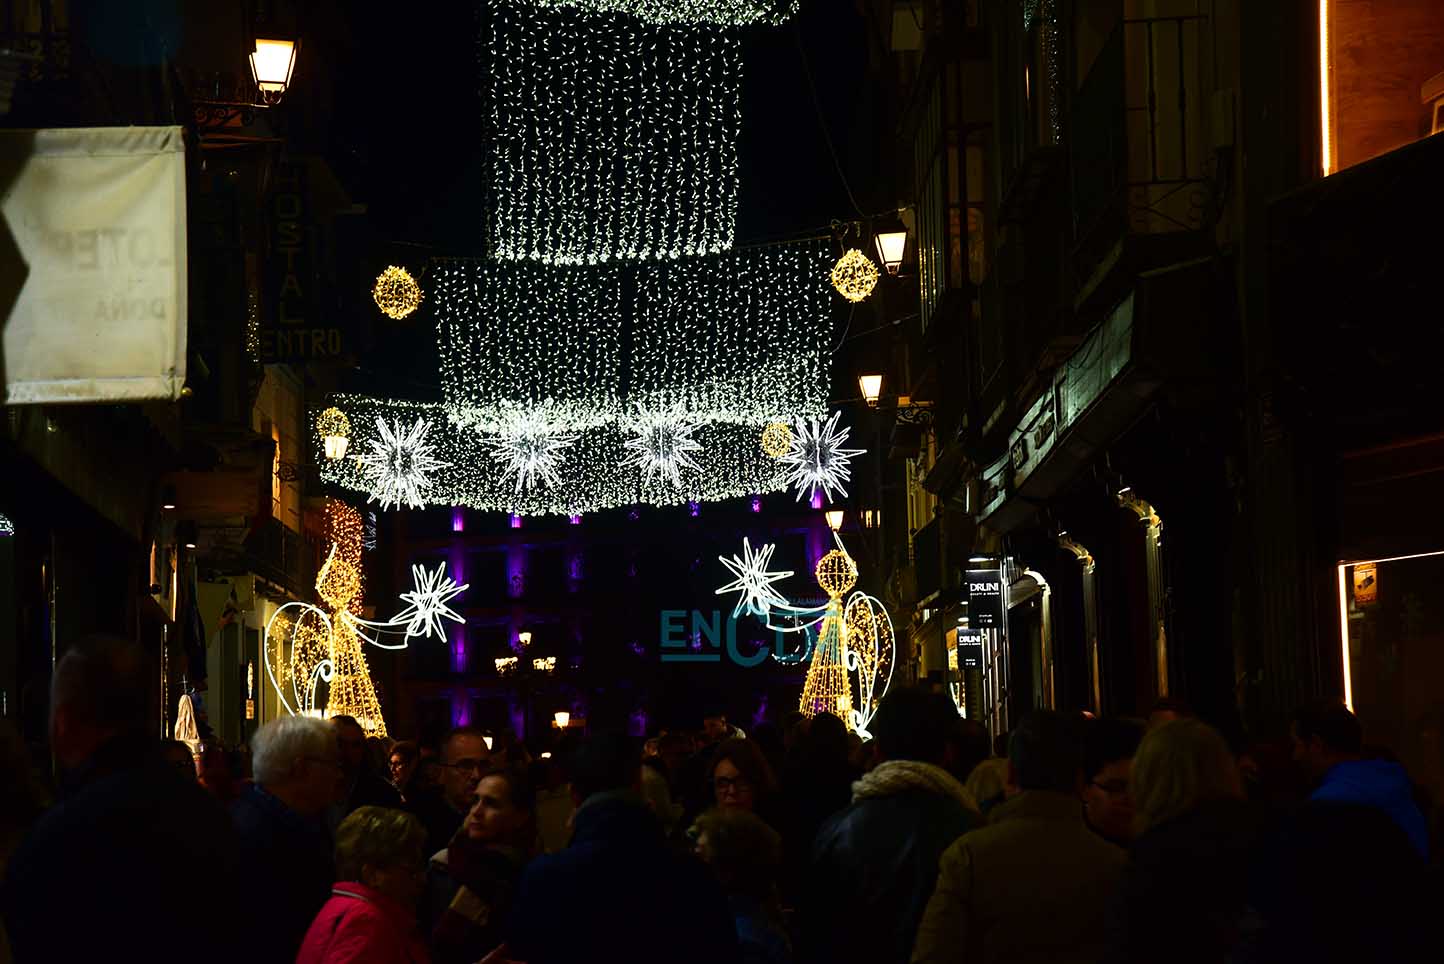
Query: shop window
[1381,77]
[1390,619]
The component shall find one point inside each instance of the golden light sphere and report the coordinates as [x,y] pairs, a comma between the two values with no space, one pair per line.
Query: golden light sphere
[776,439]
[854,276]
[397,294]
[333,423]
[836,573]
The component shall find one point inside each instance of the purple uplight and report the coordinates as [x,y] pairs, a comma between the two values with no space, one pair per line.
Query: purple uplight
[638,723]
[695,508]
[460,709]
[575,520]
[458,519]
[516,520]
[757,503]
[458,649]
[516,570]
[817,498]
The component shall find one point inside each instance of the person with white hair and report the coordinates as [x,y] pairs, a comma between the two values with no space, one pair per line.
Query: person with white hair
[287,868]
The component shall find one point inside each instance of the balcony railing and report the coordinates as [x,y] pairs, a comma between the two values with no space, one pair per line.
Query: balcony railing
[1139,153]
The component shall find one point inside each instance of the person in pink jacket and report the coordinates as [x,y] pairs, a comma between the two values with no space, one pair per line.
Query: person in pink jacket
[371,916]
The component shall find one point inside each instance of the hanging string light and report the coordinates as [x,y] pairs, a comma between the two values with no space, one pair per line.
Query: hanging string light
[396,293]
[592,473]
[607,137]
[739,337]
[721,13]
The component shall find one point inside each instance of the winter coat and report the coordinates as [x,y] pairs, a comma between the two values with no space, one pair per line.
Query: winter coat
[132,863]
[1381,784]
[359,925]
[286,872]
[760,932]
[470,890]
[877,862]
[439,817]
[1032,886]
[1338,883]
[1187,875]
[617,892]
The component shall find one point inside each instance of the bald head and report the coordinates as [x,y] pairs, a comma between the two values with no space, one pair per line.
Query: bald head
[101,690]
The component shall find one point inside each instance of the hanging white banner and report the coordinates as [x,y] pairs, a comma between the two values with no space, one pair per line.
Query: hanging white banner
[93,264]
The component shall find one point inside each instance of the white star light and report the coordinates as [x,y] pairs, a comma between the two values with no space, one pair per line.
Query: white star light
[753,580]
[817,458]
[530,448]
[396,467]
[426,606]
[662,446]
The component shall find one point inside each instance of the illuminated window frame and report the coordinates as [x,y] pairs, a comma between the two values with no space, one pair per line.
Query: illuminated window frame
[1326,107]
[1344,611]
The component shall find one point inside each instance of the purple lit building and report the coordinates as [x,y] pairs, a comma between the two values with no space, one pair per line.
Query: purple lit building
[587,592]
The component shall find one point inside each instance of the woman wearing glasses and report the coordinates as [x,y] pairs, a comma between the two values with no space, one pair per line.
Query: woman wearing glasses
[741,777]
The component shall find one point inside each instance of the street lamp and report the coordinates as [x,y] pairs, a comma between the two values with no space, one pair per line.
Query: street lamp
[891,244]
[524,637]
[834,519]
[335,429]
[871,385]
[561,718]
[271,65]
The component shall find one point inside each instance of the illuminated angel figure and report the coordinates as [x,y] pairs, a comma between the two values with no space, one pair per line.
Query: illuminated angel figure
[306,647]
[851,643]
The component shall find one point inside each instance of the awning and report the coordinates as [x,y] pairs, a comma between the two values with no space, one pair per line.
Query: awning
[1155,333]
[93,264]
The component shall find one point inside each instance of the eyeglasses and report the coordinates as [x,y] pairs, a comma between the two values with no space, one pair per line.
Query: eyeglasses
[723,784]
[1114,788]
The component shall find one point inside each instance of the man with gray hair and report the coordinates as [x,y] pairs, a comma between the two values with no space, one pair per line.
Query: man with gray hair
[287,870]
[97,877]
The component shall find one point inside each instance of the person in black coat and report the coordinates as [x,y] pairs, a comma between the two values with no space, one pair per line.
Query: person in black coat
[111,870]
[1183,897]
[877,861]
[287,868]
[816,784]
[618,892]
[360,785]
[1338,882]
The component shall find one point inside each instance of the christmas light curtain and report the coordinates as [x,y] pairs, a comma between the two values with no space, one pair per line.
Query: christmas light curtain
[593,469]
[608,137]
[726,13]
[739,337]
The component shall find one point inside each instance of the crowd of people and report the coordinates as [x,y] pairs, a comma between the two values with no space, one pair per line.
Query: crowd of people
[1067,839]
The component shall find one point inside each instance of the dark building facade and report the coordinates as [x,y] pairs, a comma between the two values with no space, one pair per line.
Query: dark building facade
[1172,320]
[605,603]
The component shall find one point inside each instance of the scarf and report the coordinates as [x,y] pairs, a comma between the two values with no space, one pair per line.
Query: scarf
[897,776]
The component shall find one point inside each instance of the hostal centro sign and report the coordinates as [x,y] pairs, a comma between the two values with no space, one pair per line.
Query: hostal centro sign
[295,329]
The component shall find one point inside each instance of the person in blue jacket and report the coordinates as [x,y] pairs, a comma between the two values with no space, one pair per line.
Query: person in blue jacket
[1328,742]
